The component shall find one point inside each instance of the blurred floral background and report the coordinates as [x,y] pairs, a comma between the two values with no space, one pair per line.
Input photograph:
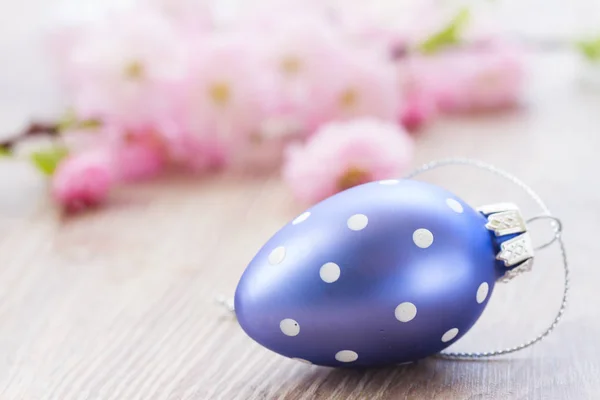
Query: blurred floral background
[327,94]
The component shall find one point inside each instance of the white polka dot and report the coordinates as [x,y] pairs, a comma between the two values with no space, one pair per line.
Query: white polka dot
[482,292]
[277,255]
[451,334]
[454,205]
[289,327]
[357,222]
[301,218]
[389,182]
[346,356]
[330,272]
[302,360]
[405,312]
[423,238]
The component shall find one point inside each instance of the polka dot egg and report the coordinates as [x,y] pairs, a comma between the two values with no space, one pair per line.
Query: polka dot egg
[384,273]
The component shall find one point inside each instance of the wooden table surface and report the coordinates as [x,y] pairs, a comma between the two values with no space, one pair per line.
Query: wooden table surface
[119,303]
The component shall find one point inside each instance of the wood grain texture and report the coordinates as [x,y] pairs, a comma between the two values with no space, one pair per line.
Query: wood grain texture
[118,303]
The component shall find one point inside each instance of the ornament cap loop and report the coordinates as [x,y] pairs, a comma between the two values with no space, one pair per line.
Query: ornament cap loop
[556,225]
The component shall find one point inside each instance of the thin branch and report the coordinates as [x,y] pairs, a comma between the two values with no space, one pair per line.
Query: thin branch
[34,129]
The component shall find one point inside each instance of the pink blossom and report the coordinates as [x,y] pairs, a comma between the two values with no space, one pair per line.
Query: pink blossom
[228,92]
[359,84]
[322,76]
[487,77]
[137,151]
[342,155]
[301,55]
[125,67]
[83,180]
[490,77]
[139,160]
[145,150]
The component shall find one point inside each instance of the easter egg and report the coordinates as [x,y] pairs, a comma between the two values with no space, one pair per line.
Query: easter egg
[383,273]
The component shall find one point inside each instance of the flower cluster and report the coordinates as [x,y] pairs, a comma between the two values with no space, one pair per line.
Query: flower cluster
[329,90]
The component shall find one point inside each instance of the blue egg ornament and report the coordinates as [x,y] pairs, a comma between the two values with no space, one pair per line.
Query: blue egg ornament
[383,273]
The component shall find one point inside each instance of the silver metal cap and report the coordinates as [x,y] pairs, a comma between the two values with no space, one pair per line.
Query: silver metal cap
[516,253]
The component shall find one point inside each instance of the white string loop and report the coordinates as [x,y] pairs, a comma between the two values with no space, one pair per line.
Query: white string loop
[556,225]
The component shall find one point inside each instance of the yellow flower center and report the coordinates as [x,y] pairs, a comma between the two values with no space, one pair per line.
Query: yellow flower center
[134,70]
[349,98]
[220,93]
[352,177]
[256,138]
[291,65]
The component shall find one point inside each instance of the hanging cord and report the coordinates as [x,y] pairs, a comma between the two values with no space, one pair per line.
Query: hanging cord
[557,227]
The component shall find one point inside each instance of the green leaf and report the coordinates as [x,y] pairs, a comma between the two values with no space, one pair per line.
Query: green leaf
[4,152]
[47,160]
[590,49]
[448,35]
